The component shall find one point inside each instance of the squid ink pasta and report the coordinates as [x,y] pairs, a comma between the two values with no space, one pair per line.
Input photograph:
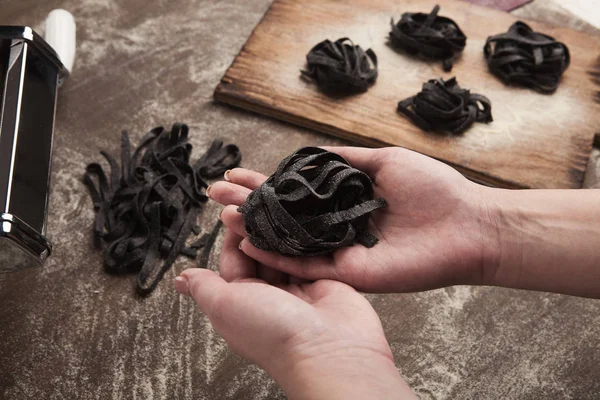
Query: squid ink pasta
[314,203]
[341,66]
[146,208]
[527,58]
[430,35]
[442,106]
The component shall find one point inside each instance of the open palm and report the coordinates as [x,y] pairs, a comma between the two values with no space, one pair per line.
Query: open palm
[312,338]
[431,234]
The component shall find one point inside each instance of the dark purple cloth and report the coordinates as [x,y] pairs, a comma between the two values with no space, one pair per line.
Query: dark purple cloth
[504,5]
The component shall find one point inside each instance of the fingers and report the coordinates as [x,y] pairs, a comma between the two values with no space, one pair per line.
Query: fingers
[294,280]
[311,268]
[238,184]
[245,177]
[235,265]
[233,220]
[325,287]
[235,226]
[298,290]
[202,284]
[270,275]
[367,160]
[228,193]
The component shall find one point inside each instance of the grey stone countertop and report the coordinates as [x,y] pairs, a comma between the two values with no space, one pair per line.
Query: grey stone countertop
[70,331]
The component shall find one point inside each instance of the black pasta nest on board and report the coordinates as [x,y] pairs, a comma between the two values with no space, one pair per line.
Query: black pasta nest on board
[314,203]
[146,208]
[442,106]
[341,66]
[524,57]
[430,35]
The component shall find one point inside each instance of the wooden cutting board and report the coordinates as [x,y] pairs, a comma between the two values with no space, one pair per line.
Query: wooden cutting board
[536,140]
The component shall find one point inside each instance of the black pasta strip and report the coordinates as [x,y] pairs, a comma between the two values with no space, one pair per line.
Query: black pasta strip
[196,230]
[430,35]
[218,159]
[524,57]
[192,250]
[442,106]
[148,278]
[341,66]
[314,203]
[152,251]
[207,242]
[101,195]
[114,170]
[148,207]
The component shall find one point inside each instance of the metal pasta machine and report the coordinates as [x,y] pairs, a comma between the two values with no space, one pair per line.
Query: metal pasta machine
[31,71]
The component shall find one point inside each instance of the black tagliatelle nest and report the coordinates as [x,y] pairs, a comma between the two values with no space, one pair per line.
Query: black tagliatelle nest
[341,66]
[430,35]
[527,58]
[147,208]
[443,106]
[313,204]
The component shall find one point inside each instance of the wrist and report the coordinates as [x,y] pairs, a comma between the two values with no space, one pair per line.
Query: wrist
[545,240]
[502,226]
[340,373]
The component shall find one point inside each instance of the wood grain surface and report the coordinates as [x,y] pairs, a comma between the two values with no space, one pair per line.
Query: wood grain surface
[536,140]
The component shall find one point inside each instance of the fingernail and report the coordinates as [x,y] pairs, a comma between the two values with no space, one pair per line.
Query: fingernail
[221,213]
[240,246]
[208,190]
[182,286]
[226,175]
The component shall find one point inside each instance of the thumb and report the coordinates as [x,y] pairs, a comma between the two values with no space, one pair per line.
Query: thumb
[202,285]
[370,161]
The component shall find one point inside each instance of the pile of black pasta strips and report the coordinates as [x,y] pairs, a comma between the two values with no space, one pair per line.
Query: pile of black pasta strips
[430,35]
[341,66]
[314,203]
[527,58]
[146,208]
[442,106]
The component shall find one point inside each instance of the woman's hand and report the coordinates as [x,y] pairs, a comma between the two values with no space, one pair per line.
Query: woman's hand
[320,340]
[435,231]
[440,229]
